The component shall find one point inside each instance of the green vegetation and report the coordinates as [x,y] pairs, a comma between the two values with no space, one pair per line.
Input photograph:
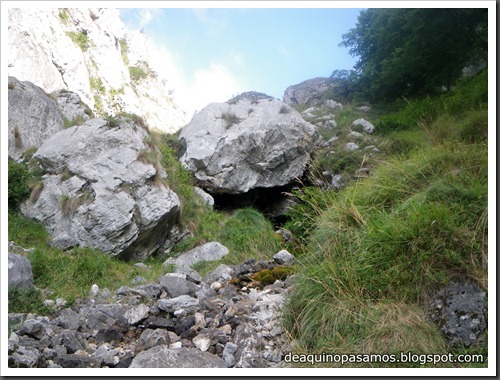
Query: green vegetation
[63,15]
[137,73]
[230,119]
[27,301]
[140,71]
[18,183]
[247,233]
[77,120]
[70,274]
[80,39]
[97,85]
[371,254]
[124,50]
[98,105]
[407,52]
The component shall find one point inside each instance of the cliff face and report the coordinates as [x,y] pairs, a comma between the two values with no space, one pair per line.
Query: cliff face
[89,51]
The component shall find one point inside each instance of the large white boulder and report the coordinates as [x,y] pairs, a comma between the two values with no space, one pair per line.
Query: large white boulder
[101,190]
[33,117]
[252,141]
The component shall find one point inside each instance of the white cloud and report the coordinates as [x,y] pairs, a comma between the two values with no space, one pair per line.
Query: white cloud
[192,90]
[148,15]
[215,83]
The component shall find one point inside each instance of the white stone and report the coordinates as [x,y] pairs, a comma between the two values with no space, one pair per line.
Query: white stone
[202,342]
[94,290]
[367,126]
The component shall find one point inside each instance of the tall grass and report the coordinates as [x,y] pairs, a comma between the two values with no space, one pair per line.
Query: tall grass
[71,274]
[377,250]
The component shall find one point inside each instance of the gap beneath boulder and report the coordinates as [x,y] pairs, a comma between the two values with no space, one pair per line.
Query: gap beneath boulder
[272,202]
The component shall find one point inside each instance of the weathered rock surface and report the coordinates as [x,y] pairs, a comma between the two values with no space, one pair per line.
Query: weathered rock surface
[88,51]
[366,125]
[33,117]
[211,251]
[231,322]
[101,191]
[161,357]
[20,272]
[252,141]
[308,92]
[460,310]
[71,106]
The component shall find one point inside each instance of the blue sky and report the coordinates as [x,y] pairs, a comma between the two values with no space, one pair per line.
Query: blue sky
[218,53]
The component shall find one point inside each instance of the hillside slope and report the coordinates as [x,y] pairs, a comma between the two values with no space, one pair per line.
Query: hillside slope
[89,51]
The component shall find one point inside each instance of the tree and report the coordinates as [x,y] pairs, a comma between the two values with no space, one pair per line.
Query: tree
[346,85]
[404,52]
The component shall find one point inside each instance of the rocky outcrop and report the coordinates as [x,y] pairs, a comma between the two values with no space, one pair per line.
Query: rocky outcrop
[33,117]
[20,273]
[252,141]
[88,51]
[366,126]
[232,319]
[104,188]
[460,310]
[72,107]
[310,92]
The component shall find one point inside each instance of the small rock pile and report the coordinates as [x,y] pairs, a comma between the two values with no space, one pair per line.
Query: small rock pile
[231,318]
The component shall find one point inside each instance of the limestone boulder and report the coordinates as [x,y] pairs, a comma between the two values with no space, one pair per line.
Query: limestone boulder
[365,125]
[308,92]
[20,272]
[252,141]
[162,357]
[72,107]
[104,188]
[33,117]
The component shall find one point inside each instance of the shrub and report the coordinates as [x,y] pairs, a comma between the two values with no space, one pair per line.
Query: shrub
[80,39]
[137,73]
[124,50]
[97,85]
[112,121]
[63,15]
[18,189]
[230,119]
[99,105]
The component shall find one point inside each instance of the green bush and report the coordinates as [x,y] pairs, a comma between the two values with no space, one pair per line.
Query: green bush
[18,188]
[230,119]
[124,50]
[80,39]
[137,73]
[97,85]
[63,15]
